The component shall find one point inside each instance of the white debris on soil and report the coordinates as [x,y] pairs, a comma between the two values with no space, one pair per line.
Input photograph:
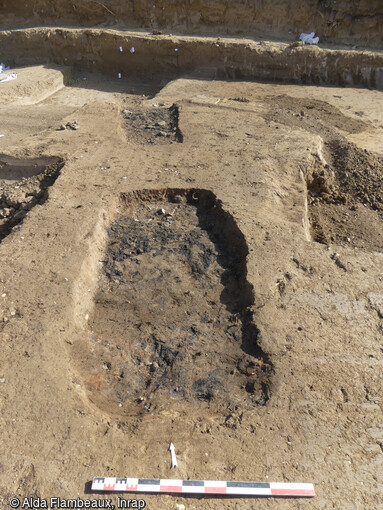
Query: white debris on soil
[309,38]
[4,76]
[7,77]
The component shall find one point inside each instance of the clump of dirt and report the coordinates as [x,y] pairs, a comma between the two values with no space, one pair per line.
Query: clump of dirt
[172,325]
[359,174]
[153,126]
[240,99]
[23,184]
[346,197]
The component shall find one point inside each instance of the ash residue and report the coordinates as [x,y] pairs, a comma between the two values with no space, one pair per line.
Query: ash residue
[159,125]
[171,318]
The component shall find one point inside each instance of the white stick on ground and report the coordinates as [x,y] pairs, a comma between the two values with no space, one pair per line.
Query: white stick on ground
[173,454]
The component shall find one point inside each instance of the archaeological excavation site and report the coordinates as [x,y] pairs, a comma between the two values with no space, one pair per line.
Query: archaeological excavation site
[191,247]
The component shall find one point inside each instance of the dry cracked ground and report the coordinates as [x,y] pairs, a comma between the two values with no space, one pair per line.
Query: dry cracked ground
[198,262]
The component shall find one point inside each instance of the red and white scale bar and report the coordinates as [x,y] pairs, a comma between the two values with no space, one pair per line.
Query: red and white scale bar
[108,484]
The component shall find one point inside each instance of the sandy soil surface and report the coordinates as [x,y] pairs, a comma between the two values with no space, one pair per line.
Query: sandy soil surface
[243,323]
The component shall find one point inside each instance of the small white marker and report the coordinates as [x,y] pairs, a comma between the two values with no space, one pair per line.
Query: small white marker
[132,50]
[173,454]
[119,75]
[121,49]
[1,136]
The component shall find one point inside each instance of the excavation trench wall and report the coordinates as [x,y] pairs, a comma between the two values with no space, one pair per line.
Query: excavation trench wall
[156,57]
[353,21]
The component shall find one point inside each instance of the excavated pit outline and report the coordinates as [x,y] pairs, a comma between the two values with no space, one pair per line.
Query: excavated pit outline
[154,125]
[24,183]
[342,182]
[345,200]
[133,361]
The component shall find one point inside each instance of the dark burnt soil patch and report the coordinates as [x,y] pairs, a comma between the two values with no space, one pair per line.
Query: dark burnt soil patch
[172,325]
[346,197]
[24,184]
[159,125]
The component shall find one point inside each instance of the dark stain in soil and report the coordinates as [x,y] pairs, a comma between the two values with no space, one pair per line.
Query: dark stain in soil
[172,325]
[153,126]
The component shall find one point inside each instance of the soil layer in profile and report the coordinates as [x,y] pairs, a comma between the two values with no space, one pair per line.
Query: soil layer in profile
[172,325]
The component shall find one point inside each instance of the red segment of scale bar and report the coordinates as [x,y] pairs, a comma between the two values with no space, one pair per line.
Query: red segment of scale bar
[215,490]
[292,492]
